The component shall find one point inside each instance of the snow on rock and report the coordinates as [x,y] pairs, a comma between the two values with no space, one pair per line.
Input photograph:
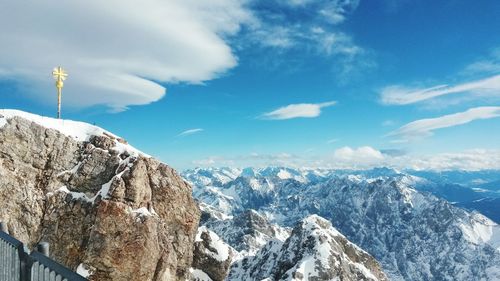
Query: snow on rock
[246,232]
[218,249]
[82,270]
[211,254]
[314,251]
[284,174]
[79,131]
[199,275]
[478,229]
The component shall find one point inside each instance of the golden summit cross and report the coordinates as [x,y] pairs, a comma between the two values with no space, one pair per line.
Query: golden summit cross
[59,75]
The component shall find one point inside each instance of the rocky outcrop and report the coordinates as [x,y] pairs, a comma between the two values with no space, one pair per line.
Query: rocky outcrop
[102,205]
[314,251]
[211,255]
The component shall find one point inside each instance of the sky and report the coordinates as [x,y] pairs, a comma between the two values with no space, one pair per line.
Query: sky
[299,83]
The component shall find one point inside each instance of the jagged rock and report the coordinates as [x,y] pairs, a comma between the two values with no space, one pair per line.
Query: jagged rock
[101,204]
[314,251]
[211,255]
[246,232]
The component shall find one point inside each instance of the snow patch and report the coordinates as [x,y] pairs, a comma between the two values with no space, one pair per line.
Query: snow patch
[222,249]
[199,275]
[74,194]
[283,174]
[366,272]
[83,271]
[479,230]
[143,211]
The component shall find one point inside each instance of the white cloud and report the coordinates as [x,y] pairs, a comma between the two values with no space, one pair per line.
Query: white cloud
[470,160]
[189,132]
[425,127]
[365,158]
[116,50]
[305,110]
[401,95]
[360,156]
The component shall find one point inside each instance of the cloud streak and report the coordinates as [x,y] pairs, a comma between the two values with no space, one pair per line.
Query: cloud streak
[301,110]
[190,132]
[425,127]
[120,56]
[401,95]
[365,157]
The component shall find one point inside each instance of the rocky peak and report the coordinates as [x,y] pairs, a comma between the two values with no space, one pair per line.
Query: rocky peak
[314,251]
[103,205]
[246,232]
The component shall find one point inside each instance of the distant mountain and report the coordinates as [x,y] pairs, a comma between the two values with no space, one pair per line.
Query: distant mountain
[454,186]
[413,234]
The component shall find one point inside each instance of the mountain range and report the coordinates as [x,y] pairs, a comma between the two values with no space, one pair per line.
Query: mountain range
[404,219]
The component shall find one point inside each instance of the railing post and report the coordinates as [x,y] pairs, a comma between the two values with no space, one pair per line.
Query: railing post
[3,227]
[43,248]
[25,265]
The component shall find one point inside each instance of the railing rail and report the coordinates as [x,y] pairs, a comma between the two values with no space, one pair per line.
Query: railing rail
[18,264]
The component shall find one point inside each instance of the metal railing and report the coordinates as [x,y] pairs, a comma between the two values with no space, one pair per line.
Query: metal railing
[17,263]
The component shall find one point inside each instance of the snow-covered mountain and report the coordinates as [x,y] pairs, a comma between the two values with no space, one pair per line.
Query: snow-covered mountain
[413,234]
[247,232]
[314,251]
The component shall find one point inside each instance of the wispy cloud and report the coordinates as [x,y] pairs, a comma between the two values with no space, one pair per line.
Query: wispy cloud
[310,27]
[401,95]
[489,64]
[425,127]
[301,110]
[388,123]
[330,141]
[189,132]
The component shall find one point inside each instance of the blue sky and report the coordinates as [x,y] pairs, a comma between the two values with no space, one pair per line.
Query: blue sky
[304,83]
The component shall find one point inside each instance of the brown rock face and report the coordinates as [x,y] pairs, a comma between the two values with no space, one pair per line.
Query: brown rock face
[121,215]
